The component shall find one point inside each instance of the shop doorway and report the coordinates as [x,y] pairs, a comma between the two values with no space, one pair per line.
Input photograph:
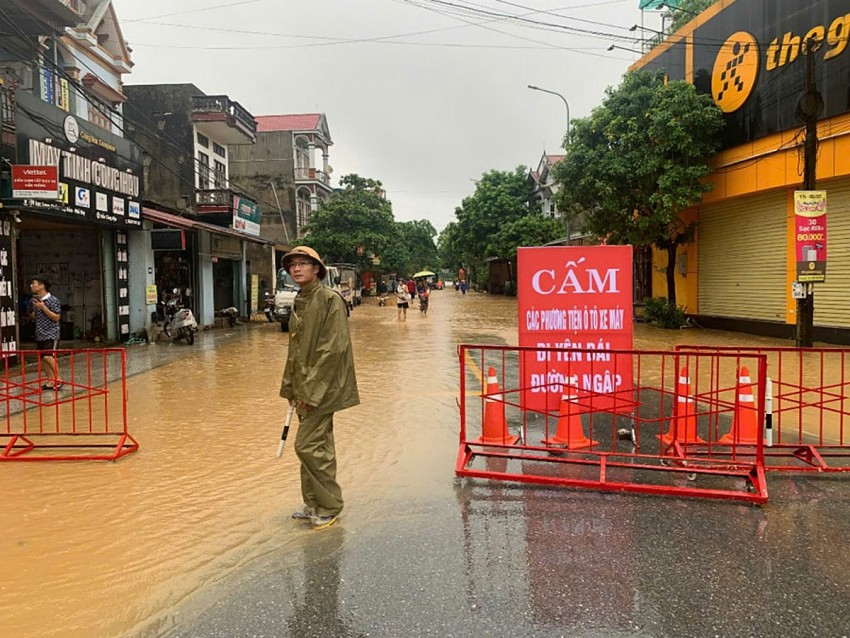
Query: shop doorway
[224,280]
[175,270]
[70,259]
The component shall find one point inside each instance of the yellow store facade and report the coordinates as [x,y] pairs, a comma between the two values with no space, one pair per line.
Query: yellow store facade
[750,55]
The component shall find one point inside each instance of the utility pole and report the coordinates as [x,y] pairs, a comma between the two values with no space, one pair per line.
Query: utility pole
[808,110]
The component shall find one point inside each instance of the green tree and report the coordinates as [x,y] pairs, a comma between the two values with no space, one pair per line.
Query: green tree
[687,11]
[532,230]
[417,238]
[500,198]
[355,224]
[639,160]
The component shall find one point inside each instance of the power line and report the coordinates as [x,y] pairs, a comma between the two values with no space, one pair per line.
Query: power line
[110,114]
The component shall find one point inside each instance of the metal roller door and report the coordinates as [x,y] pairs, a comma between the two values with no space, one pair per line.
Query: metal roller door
[742,258]
[832,298]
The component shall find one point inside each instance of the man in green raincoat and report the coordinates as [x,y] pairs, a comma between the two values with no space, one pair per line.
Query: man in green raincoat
[319,380]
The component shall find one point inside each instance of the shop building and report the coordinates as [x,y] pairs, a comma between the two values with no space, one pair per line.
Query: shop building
[288,168]
[62,65]
[202,219]
[751,56]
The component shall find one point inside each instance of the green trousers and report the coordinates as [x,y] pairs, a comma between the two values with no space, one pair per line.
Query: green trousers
[314,445]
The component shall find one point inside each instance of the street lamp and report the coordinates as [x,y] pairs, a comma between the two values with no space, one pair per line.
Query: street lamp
[537,88]
[617,46]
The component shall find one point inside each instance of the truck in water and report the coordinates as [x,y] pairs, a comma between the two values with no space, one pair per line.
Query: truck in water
[284,298]
[346,282]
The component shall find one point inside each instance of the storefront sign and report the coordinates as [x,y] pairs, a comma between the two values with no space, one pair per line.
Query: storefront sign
[810,235]
[35,182]
[255,293]
[246,216]
[575,298]
[8,297]
[122,279]
[98,172]
[750,56]
[151,295]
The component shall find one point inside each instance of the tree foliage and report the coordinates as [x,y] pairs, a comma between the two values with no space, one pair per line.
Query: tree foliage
[532,230]
[355,224]
[686,11]
[639,160]
[500,199]
[417,240]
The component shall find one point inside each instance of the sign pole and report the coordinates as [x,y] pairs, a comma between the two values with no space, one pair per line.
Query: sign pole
[809,110]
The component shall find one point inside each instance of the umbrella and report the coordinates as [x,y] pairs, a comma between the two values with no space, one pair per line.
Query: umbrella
[423,273]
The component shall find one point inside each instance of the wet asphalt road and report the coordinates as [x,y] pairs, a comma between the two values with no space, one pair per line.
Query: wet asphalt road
[427,555]
[489,560]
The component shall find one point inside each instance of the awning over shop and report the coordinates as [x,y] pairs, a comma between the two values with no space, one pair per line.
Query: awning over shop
[186,223]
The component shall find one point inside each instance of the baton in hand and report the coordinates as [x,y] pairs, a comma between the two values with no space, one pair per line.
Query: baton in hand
[283,436]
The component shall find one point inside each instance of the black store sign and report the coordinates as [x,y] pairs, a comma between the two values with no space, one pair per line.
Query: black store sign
[751,58]
[99,173]
[8,304]
[122,277]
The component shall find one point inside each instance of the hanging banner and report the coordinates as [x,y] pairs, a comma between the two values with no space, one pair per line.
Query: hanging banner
[576,298]
[810,235]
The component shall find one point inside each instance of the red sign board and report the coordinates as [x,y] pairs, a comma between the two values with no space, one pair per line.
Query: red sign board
[575,298]
[35,182]
[810,235]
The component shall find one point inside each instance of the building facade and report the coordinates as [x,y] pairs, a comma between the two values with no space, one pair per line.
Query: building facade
[752,56]
[202,220]
[62,101]
[288,169]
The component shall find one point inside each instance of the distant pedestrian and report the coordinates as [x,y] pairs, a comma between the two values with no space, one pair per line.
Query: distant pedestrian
[318,380]
[411,287]
[46,309]
[463,286]
[402,298]
[424,299]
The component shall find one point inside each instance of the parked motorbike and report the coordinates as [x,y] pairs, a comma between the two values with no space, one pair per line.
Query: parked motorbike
[268,307]
[179,323]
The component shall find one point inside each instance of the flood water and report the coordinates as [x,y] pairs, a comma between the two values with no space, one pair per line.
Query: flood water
[94,549]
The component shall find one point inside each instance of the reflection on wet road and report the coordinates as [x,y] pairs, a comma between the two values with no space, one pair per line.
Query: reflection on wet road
[199,515]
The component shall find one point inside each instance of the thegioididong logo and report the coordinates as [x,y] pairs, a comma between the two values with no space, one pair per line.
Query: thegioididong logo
[735,71]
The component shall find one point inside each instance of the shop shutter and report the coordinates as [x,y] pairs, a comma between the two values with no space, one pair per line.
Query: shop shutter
[742,258]
[832,298]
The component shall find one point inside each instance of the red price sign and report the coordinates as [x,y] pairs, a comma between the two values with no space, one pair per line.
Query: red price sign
[35,182]
[810,235]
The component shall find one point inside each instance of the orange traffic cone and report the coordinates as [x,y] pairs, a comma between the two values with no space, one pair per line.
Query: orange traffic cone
[683,423]
[495,428]
[745,422]
[570,433]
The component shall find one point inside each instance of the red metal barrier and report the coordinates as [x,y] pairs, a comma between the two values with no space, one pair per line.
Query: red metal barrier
[810,422]
[84,419]
[632,421]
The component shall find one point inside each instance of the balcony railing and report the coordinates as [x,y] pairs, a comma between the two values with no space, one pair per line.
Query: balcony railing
[312,174]
[223,104]
[215,197]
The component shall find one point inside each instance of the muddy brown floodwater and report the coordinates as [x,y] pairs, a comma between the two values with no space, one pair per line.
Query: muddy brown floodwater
[92,549]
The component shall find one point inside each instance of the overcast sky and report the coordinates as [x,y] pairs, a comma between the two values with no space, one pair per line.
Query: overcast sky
[424,95]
